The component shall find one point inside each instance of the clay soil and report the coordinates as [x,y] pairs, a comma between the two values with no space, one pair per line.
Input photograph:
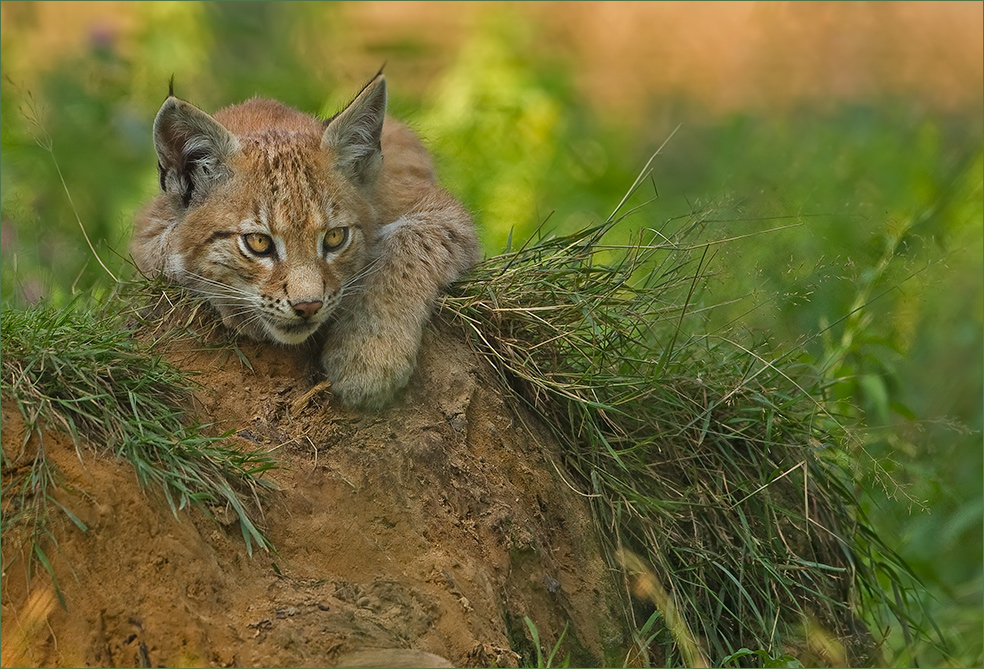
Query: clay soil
[433,527]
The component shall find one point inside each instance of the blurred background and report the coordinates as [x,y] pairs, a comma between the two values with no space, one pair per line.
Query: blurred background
[837,145]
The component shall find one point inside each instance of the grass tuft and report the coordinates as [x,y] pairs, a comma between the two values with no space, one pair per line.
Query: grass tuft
[714,467]
[80,370]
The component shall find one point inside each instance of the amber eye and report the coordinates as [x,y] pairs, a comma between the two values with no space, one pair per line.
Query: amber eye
[335,239]
[259,244]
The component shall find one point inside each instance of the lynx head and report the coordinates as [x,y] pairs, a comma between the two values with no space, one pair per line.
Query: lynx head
[267,211]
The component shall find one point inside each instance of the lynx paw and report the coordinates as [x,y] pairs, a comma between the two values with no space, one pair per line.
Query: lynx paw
[367,368]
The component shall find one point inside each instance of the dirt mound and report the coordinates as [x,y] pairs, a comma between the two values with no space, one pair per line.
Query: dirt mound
[435,526]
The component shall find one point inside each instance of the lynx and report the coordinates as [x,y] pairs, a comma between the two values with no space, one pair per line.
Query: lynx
[294,228]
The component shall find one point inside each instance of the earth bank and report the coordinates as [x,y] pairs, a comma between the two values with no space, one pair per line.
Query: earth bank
[434,526]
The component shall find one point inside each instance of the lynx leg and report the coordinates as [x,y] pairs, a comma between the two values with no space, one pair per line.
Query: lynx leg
[371,348]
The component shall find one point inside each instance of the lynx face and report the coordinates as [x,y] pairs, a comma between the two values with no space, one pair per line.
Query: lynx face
[277,246]
[264,210]
[289,225]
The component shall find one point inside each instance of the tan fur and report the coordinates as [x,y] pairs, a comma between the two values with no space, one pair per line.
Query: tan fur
[261,171]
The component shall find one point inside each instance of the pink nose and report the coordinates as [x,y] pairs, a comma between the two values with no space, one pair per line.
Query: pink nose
[306,309]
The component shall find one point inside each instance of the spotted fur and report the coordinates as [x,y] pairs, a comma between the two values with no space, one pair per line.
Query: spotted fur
[291,226]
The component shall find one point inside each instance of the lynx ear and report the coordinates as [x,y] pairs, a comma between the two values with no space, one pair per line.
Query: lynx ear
[353,134]
[192,148]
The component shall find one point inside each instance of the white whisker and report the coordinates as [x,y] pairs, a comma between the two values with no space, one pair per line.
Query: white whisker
[373,266]
[224,290]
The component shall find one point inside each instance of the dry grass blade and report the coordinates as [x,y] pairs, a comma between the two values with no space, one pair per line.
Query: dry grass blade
[711,459]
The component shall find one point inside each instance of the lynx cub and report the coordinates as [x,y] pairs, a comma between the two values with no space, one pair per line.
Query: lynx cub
[291,226]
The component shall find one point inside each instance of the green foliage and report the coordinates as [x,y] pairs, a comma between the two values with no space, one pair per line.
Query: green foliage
[509,107]
[716,471]
[784,661]
[885,261]
[541,662]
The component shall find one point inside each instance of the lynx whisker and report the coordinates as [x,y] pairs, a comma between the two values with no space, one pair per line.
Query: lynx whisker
[283,273]
[248,322]
[225,290]
[371,267]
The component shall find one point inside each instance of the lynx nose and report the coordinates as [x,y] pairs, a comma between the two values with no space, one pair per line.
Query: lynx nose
[306,309]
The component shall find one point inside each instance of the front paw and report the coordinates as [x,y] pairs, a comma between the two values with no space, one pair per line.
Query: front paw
[367,369]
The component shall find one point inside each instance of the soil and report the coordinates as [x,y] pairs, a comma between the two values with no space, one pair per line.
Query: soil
[420,535]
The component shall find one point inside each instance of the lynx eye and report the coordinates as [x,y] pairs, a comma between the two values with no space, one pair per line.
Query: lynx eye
[335,239]
[258,243]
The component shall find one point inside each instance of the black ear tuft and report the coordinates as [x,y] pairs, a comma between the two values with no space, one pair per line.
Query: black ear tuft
[170,86]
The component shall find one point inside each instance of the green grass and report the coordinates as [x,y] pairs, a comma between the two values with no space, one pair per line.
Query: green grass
[548,661]
[717,472]
[79,369]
